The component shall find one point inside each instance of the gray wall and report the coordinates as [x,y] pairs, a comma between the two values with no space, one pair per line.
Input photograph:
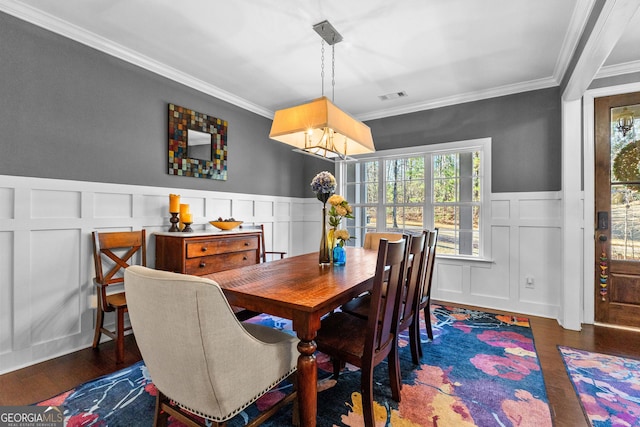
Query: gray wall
[71,112]
[615,80]
[525,129]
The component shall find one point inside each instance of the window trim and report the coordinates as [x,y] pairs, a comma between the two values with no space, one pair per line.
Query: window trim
[480,144]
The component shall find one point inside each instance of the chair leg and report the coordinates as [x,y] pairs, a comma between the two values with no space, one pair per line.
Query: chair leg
[99,324]
[427,320]
[394,372]
[160,418]
[366,388]
[414,339]
[337,367]
[119,335]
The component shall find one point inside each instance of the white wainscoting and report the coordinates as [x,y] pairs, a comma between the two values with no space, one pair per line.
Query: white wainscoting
[526,239]
[47,296]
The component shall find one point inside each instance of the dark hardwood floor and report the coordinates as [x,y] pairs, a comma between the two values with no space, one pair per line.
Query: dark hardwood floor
[44,380]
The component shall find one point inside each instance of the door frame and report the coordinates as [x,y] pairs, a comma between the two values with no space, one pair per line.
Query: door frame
[588,166]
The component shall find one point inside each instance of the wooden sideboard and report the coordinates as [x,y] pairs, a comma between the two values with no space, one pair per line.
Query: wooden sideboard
[203,253]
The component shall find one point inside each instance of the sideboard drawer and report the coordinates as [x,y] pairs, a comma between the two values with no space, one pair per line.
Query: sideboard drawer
[205,253]
[214,263]
[220,246]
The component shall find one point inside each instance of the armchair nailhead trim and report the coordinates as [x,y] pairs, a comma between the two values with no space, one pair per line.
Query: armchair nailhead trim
[240,409]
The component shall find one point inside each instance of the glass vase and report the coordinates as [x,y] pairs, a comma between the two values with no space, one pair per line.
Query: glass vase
[324,257]
[339,256]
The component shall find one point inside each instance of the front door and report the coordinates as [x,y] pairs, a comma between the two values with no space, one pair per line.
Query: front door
[617,210]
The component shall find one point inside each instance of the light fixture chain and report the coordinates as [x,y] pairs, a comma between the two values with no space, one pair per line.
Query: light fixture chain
[333,73]
[322,64]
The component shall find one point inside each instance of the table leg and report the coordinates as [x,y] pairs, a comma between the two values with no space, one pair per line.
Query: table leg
[307,382]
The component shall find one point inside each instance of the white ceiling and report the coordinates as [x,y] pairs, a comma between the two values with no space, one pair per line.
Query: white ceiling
[263,55]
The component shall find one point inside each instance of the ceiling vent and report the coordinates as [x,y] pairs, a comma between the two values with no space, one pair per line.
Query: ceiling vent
[392,95]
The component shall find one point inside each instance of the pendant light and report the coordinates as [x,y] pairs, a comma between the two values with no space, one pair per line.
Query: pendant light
[319,127]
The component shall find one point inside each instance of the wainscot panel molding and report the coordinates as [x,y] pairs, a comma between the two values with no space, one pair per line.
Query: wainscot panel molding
[526,236]
[47,295]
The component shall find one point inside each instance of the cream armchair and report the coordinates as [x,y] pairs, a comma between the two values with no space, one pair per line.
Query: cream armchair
[200,357]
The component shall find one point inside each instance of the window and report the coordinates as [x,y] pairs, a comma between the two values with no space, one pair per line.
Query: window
[443,185]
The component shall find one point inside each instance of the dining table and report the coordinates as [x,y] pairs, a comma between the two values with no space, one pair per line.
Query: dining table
[299,288]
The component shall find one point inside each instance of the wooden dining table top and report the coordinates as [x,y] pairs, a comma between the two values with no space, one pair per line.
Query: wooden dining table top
[298,283]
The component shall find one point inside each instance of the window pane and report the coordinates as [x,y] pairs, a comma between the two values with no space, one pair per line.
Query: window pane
[447,242]
[362,172]
[476,218]
[364,218]
[394,218]
[415,191]
[476,189]
[445,165]
[371,193]
[446,217]
[370,171]
[401,218]
[413,219]
[445,190]
[415,168]
[395,192]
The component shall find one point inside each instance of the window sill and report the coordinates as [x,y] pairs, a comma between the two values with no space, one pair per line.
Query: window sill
[465,259]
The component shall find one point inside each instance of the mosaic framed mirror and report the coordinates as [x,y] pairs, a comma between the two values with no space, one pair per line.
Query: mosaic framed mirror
[197,144]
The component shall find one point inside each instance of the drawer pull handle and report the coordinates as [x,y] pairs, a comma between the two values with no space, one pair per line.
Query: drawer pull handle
[204,249]
[244,258]
[246,243]
[202,264]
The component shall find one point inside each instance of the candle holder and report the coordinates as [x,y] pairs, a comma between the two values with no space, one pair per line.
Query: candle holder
[174,222]
[187,227]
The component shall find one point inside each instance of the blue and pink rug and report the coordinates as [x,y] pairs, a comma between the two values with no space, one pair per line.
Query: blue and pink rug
[481,369]
[608,386]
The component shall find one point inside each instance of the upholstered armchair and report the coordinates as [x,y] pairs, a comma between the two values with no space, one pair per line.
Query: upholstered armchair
[199,355]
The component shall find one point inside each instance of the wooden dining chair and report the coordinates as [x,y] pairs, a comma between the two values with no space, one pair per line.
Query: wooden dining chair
[263,248]
[113,252]
[424,293]
[406,316]
[365,343]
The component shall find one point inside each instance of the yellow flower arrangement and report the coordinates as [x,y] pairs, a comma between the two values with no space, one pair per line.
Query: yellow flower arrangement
[341,236]
[340,208]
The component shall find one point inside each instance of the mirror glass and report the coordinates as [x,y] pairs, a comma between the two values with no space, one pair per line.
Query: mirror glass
[198,144]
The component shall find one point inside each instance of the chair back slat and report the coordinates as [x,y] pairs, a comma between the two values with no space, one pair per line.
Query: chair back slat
[105,253]
[424,293]
[416,261]
[390,267]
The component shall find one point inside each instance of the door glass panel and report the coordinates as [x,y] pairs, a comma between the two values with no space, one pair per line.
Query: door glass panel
[625,222]
[625,183]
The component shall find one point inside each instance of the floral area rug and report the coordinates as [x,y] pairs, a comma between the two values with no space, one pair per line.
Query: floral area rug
[480,369]
[608,386]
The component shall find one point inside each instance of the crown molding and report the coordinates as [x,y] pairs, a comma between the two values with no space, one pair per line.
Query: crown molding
[80,35]
[462,98]
[579,19]
[610,24]
[618,69]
